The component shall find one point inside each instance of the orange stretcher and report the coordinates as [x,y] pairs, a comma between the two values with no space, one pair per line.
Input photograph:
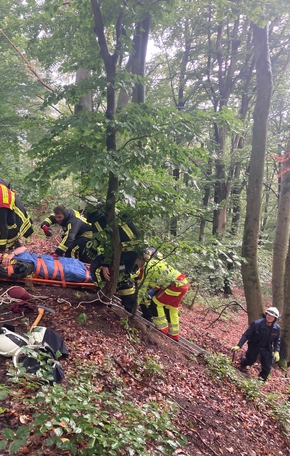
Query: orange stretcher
[35,279]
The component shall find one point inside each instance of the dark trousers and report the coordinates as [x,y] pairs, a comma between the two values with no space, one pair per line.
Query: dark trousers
[266,359]
[78,250]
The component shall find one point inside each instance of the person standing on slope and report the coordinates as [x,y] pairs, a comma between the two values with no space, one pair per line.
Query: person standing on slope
[263,337]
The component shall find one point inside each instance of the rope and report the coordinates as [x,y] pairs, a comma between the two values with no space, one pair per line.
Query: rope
[12,319]
[63,301]
[6,299]
[100,298]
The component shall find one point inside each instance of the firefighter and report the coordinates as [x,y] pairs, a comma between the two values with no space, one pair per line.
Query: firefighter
[162,288]
[130,249]
[263,337]
[77,232]
[129,237]
[126,286]
[14,221]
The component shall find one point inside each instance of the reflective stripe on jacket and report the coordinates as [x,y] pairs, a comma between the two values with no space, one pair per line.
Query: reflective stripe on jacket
[158,274]
[74,225]
[7,197]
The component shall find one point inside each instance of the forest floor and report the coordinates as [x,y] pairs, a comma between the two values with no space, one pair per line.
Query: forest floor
[215,414]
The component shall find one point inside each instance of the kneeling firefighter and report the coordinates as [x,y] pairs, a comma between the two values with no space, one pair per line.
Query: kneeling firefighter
[126,287]
[130,249]
[162,289]
[76,233]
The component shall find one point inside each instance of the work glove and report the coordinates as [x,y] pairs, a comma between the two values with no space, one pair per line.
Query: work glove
[276,357]
[235,348]
[151,292]
[46,231]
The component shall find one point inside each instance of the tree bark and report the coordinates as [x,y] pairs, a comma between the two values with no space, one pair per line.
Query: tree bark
[110,63]
[282,235]
[250,271]
[285,327]
[85,101]
[225,82]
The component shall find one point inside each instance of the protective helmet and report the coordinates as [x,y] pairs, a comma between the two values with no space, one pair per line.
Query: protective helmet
[152,253]
[10,342]
[273,311]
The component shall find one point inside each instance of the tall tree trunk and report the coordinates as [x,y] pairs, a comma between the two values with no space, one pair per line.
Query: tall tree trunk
[282,235]
[226,82]
[110,63]
[205,201]
[285,329]
[236,198]
[174,219]
[140,43]
[85,101]
[250,271]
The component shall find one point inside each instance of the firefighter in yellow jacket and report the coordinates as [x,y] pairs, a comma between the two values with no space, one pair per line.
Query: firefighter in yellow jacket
[77,232]
[14,221]
[161,288]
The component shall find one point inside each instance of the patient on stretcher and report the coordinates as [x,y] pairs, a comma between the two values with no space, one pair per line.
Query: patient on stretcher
[20,264]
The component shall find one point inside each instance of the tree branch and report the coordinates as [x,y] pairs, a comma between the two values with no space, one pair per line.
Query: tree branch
[30,67]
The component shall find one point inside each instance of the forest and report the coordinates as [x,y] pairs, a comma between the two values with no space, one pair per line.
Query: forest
[175,114]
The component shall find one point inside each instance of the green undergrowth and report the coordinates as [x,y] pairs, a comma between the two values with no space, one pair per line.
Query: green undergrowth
[94,413]
[220,367]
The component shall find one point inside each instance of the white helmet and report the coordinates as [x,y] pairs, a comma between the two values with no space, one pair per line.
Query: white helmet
[10,342]
[150,252]
[273,311]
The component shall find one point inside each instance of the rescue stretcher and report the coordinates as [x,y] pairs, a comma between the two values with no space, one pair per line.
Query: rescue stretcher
[51,271]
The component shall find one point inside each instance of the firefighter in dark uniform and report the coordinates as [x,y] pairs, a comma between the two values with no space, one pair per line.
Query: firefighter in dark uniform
[14,220]
[263,338]
[77,232]
[130,245]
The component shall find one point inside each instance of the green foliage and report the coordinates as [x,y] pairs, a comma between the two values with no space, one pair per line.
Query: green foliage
[221,367]
[152,367]
[131,330]
[40,358]
[211,264]
[83,420]
[82,318]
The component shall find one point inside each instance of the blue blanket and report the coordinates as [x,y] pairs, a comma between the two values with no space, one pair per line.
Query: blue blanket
[74,270]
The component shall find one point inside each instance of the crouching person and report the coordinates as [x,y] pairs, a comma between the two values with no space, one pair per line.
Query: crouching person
[165,288]
[263,337]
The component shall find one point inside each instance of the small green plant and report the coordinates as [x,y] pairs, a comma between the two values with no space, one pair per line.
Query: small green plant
[152,367]
[82,318]
[131,330]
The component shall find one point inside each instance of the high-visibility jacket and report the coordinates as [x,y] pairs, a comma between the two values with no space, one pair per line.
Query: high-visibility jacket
[129,238]
[169,283]
[7,197]
[74,226]
[14,220]
[129,234]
